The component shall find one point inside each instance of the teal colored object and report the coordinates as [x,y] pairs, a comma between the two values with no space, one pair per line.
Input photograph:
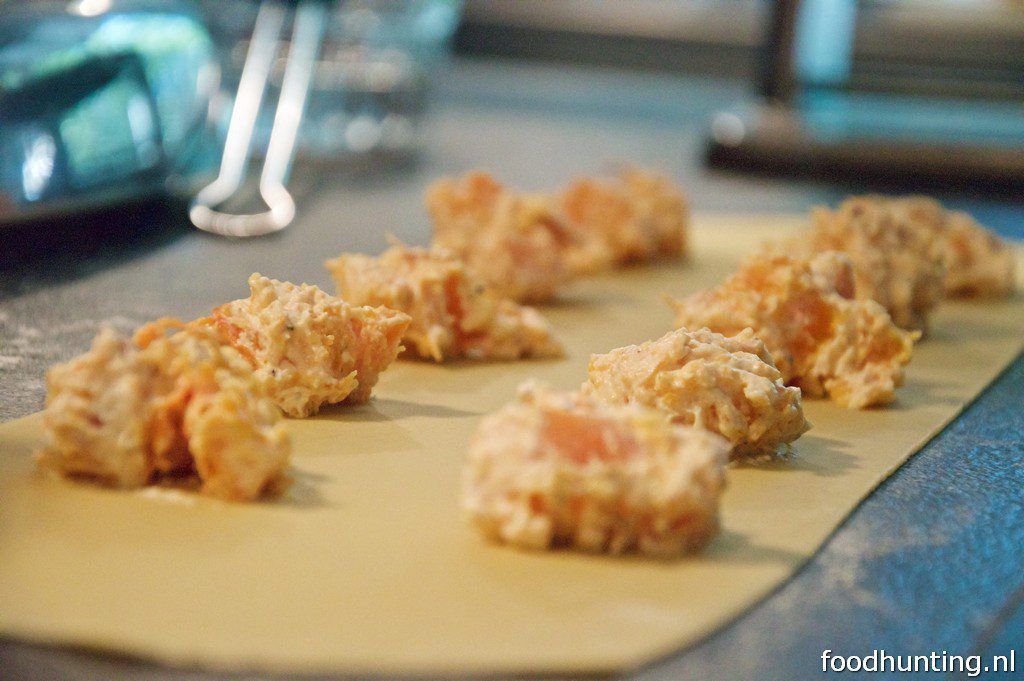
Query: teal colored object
[101,102]
[823,50]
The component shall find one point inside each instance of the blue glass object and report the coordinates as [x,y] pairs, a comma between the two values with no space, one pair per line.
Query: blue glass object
[101,102]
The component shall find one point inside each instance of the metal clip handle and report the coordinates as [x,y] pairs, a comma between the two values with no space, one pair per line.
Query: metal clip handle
[307,35]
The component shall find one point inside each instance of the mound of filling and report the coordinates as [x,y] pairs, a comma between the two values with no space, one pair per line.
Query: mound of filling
[896,248]
[308,347]
[179,406]
[728,385]
[513,242]
[565,470]
[453,313]
[978,263]
[635,216]
[822,339]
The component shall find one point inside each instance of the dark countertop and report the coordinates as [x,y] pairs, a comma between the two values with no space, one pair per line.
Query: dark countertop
[932,561]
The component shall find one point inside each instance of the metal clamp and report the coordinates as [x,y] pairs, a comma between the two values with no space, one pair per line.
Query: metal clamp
[307,36]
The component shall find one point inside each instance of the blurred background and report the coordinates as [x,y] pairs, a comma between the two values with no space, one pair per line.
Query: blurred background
[956,46]
[909,94]
[108,102]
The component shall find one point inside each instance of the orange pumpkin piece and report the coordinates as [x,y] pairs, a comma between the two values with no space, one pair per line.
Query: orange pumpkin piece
[635,216]
[822,339]
[896,250]
[453,314]
[127,414]
[978,263]
[728,385]
[511,241]
[309,348]
[563,469]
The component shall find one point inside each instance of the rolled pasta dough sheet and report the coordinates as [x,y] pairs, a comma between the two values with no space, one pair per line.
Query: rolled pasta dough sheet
[365,566]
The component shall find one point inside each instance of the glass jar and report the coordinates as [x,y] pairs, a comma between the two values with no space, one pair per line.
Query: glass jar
[370,86]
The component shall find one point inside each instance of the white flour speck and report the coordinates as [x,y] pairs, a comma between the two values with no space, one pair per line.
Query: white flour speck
[168,495]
